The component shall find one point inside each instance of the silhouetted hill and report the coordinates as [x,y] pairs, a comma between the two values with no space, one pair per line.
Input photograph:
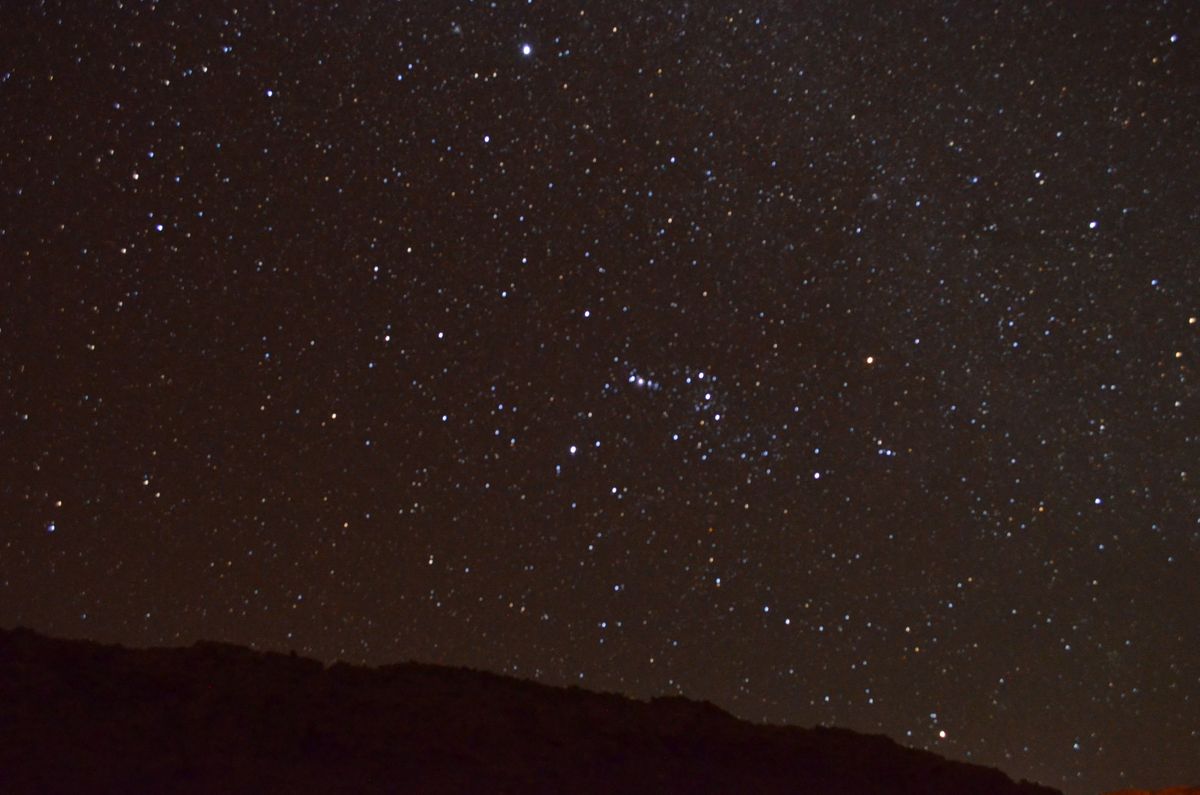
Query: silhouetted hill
[1168,791]
[77,716]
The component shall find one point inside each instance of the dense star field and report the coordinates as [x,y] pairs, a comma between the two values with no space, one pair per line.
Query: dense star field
[834,362]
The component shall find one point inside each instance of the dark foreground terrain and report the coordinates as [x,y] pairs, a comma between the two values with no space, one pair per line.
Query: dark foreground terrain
[76,716]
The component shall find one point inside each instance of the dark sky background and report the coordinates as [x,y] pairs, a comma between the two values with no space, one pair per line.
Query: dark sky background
[834,362]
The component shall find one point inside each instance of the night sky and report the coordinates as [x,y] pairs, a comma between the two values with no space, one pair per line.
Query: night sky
[832,361]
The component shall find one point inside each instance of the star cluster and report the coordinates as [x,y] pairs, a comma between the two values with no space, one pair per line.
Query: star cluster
[832,362]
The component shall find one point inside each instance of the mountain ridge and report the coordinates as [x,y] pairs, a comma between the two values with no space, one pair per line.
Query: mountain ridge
[80,715]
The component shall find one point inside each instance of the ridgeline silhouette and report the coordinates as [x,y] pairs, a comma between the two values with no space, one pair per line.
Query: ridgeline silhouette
[78,716]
